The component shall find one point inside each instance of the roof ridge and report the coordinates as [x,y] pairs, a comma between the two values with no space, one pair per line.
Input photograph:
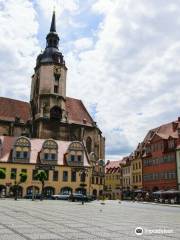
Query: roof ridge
[12,99]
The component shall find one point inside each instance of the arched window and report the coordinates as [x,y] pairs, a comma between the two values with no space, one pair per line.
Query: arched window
[75,155]
[56,113]
[49,150]
[22,148]
[89,144]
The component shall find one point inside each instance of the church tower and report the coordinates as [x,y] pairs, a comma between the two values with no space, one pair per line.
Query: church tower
[48,90]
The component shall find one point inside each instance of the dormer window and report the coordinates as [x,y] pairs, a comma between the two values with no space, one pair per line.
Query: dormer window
[49,151]
[171,144]
[75,154]
[22,149]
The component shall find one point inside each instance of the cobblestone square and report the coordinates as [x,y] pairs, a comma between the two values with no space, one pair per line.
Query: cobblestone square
[55,220]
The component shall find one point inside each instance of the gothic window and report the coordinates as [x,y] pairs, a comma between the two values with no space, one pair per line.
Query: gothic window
[49,150]
[56,113]
[22,148]
[89,144]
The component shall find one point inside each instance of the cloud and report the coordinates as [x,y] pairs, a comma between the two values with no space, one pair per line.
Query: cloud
[83,43]
[132,68]
[18,46]
[122,58]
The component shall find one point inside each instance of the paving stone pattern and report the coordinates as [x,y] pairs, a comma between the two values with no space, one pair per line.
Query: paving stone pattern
[55,220]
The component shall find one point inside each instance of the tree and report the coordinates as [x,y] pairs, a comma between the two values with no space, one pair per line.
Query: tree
[22,179]
[41,176]
[2,176]
[2,173]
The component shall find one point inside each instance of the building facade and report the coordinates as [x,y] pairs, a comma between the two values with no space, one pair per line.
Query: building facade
[137,169]
[113,180]
[159,159]
[51,115]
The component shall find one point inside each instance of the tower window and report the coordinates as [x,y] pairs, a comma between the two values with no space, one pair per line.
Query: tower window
[55,89]
[56,77]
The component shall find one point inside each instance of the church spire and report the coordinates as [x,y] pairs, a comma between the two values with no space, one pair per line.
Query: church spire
[52,37]
[53,22]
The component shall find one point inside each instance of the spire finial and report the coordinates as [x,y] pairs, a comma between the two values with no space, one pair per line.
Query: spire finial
[53,22]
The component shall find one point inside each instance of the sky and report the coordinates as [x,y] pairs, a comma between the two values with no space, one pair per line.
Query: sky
[123,59]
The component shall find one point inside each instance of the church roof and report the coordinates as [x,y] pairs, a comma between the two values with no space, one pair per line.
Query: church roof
[11,108]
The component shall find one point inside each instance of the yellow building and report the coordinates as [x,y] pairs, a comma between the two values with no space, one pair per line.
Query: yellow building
[67,165]
[113,180]
[137,172]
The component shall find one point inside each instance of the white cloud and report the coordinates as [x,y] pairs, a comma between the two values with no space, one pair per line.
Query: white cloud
[132,72]
[126,70]
[83,43]
[18,46]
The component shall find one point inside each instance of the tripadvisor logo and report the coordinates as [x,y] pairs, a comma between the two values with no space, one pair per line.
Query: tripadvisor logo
[139,231]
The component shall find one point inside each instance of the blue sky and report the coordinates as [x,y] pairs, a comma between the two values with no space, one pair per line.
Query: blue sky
[122,58]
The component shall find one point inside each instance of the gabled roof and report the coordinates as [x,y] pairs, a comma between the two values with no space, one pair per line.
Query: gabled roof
[113,166]
[11,108]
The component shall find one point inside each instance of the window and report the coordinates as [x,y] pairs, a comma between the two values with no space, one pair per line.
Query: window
[89,144]
[13,173]
[65,176]
[171,144]
[72,158]
[24,170]
[46,156]
[101,181]
[34,173]
[17,154]
[73,176]
[22,148]
[55,175]
[55,89]
[97,180]
[79,158]
[53,156]
[133,179]
[83,177]
[25,154]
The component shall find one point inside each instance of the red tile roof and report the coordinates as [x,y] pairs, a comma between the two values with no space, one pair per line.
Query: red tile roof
[77,112]
[11,108]
[112,166]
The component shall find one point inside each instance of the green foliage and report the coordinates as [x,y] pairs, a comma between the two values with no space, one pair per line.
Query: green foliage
[23,177]
[2,173]
[41,176]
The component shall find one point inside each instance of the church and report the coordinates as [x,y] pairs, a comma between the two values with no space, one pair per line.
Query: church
[52,132]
